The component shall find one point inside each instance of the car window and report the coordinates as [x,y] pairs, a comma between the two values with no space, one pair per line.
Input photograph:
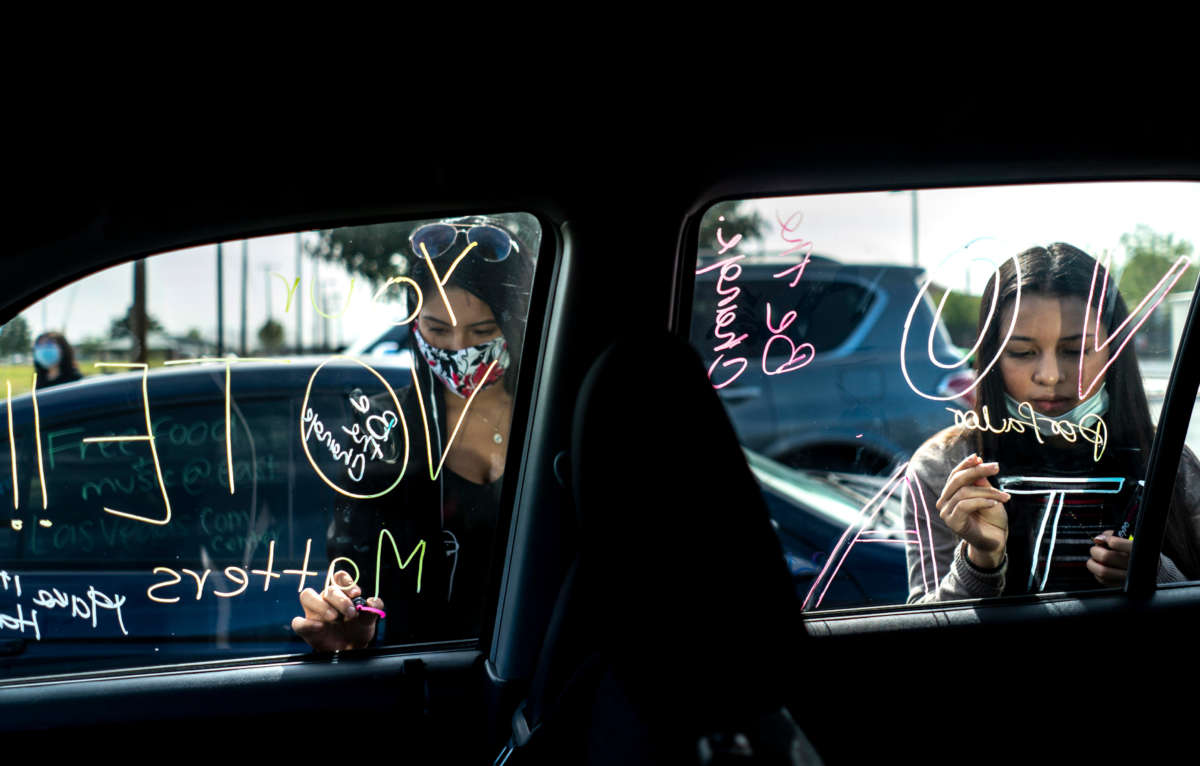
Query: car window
[194,439]
[952,393]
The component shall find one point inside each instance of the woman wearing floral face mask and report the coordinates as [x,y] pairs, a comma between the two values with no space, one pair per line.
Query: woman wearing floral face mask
[54,360]
[465,340]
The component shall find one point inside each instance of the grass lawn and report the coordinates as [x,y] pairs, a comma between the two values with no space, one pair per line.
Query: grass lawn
[21,375]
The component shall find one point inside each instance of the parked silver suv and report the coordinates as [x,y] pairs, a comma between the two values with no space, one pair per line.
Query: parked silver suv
[821,385]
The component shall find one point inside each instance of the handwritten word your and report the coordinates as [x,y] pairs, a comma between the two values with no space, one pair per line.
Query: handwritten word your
[439,281]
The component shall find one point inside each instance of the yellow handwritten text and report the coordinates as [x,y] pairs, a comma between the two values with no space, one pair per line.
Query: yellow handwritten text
[1091,428]
[240,577]
[37,439]
[148,437]
[228,428]
[12,450]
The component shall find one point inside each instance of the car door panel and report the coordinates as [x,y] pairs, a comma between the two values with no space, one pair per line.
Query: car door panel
[286,705]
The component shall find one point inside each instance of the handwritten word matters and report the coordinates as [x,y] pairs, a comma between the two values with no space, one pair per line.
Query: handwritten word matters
[240,578]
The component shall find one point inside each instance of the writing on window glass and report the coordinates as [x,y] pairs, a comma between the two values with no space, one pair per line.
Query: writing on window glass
[85,607]
[728,271]
[350,440]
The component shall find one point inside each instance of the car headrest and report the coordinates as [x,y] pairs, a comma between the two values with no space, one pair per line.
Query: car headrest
[674,530]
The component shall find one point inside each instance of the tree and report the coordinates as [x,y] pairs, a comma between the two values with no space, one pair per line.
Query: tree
[738,220]
[15,337]
[90,347]
[122,326]
[270,335]
[960,315]
[375,252]
[1149,255]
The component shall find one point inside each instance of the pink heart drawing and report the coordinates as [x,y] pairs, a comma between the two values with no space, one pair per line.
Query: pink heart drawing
[805,351]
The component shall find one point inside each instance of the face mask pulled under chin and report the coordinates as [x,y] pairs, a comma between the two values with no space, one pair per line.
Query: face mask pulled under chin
[1094,405]
[465,370]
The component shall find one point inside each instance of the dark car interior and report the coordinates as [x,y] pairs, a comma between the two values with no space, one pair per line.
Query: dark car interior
[632,621]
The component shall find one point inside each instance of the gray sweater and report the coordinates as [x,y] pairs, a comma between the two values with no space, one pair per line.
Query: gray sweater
[941,571]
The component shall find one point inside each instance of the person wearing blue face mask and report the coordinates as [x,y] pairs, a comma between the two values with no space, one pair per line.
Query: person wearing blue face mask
[1063,408]
[54,360]
[465,342]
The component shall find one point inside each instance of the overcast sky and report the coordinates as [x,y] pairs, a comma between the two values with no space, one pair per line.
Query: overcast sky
[857,228]
[181,295]
[877,227]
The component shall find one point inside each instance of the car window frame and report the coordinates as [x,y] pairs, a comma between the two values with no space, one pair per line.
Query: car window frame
[1165,451]
[546,259]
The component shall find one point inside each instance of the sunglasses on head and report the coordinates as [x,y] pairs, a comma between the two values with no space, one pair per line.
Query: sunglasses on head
[492,243]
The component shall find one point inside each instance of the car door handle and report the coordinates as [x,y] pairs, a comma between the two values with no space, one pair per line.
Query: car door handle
[740,394]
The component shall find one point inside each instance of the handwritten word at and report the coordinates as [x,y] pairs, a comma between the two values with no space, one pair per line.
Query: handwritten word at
[1096,435]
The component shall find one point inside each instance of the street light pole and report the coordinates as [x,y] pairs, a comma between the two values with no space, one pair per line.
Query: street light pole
[912,195]
[220,302]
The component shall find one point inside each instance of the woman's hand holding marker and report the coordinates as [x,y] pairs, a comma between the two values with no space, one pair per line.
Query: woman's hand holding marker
[1110,558]
[974,510]
[332,622]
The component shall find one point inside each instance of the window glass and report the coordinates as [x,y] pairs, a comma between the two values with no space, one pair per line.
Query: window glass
[997,354]
[194,440]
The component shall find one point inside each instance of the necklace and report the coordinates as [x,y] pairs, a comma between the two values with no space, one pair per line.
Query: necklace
[497,436]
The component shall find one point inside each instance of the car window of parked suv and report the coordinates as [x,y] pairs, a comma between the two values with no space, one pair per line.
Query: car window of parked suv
[951,394]
[189,454]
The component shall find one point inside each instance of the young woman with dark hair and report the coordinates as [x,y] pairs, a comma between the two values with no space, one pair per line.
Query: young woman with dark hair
[1056,407]
[54,360]
[465,344]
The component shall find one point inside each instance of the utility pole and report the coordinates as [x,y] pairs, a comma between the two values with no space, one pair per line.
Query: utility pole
[137,314]
[313,283]
[220,302]
[913,196]
[298,301]
[267,285]
[245,280]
